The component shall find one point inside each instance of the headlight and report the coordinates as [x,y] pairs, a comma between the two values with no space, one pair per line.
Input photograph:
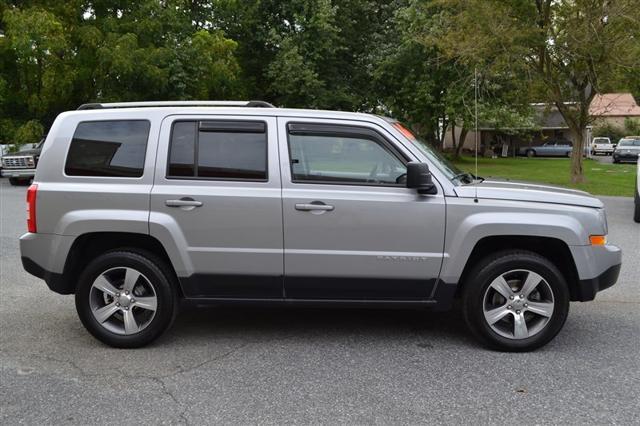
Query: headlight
[30,162]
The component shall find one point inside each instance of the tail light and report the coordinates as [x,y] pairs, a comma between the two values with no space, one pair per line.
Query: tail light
[31,208]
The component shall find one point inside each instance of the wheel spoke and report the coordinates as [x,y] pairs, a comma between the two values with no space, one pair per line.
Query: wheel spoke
[520,330]
[103,284]
[105,312]
[530,283]
[130,324]
[541,308]
[495,315]
[130,278]
[148,303]
[502,287]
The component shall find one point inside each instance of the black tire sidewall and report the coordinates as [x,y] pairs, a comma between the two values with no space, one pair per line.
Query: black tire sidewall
[161,282]
[486,271]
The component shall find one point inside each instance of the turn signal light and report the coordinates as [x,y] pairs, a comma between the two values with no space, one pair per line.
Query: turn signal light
[598,240]
[31,208]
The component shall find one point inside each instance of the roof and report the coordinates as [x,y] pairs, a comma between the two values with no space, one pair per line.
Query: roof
[614,105]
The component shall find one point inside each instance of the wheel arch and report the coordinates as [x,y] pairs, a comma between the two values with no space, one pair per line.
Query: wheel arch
[554,249]
[87,246]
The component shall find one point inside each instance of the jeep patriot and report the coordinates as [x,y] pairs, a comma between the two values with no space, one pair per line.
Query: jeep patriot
[138,207]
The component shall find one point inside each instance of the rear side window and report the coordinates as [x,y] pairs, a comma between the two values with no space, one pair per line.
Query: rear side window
[234,150]
[113,148]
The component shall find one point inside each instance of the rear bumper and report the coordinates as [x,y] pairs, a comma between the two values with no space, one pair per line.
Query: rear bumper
[44,256]
[18,173]
[54,281]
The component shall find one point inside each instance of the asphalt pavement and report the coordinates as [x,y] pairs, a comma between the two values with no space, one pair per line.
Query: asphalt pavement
[300,366]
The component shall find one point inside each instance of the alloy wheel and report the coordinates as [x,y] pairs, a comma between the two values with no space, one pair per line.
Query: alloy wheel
[123,300]
[518,304]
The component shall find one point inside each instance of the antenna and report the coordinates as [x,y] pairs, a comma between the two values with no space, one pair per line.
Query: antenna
[475,90]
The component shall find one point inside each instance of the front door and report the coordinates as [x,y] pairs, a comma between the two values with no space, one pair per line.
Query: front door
[352,230]
[216,205]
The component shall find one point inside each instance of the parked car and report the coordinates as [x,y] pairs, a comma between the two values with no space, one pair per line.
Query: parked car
[628,149]
[20,167]
[601,145]
[4,150]
[555,148]
[636,214]
[136,206]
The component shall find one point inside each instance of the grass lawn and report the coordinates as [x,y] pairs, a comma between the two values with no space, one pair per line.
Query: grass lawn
[601,179]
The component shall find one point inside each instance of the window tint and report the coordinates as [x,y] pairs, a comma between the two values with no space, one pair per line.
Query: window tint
[183,149]
[343,159]
[219,150]
[108,148]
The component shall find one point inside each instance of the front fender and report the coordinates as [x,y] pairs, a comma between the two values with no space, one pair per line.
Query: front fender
[469,222]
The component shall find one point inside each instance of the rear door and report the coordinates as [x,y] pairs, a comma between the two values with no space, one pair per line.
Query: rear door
[352,228]
[216,205]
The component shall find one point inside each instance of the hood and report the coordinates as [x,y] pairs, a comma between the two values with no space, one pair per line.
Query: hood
[628,148]
[523,191]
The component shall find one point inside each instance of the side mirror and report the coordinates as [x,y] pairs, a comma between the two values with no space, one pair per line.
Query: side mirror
[419,177]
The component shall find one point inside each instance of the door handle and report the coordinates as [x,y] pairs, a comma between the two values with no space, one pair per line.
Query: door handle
[311,207]
[183,202]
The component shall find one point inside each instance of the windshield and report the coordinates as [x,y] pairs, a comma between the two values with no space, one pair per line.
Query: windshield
[629,142]
[450,170]
[600,140]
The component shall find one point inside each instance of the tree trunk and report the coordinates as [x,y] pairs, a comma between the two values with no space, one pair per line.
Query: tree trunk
[463,137]
[453,135]
[577,171]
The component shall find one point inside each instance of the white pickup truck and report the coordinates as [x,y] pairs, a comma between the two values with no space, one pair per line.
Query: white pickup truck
[601,145]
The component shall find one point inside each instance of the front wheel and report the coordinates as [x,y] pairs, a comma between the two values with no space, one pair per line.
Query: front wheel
[126,299]
[515,301]
[531,153]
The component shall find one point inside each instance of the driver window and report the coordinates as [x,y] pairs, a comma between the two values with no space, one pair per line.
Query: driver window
[343,159]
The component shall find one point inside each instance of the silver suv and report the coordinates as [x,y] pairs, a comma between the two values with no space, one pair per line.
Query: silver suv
[137,207]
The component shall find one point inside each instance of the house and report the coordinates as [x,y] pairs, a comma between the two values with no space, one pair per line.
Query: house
[613,109]
[548,124]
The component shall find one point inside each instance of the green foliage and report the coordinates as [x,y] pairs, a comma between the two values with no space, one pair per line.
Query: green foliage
[631,126]
[608,130]
[30,132]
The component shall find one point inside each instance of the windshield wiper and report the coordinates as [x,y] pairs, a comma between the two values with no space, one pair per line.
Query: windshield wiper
[470,177]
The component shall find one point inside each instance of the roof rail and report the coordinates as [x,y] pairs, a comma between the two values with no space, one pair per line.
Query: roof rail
[245,104]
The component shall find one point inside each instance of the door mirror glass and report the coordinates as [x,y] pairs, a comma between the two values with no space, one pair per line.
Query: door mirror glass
[419,177]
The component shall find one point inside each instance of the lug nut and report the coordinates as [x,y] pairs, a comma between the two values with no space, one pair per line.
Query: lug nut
[522,296]
[510,297]
[127,292]
[133,300]
[526,305]
[517,312]
[117,294]
[117,304]
[509,307]
[126,308]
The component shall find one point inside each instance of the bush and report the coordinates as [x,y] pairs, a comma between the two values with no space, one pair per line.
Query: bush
[29,132]
[610,131]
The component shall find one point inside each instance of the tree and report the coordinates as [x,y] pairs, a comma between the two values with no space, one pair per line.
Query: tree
[569,50]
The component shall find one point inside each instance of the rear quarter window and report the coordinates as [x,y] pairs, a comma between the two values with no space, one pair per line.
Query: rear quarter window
[113,148]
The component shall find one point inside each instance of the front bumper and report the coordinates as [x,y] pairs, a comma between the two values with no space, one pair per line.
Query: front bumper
[626,157]
[18,173]
[598,268]
[588,288]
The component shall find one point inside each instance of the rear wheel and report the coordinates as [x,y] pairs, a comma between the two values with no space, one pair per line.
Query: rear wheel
[126,299]
[515,301]
[531,153]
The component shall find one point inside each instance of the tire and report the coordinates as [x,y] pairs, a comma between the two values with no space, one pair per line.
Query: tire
[540,329]
[531,153]
[16,181]
[154,280]
[568,154]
